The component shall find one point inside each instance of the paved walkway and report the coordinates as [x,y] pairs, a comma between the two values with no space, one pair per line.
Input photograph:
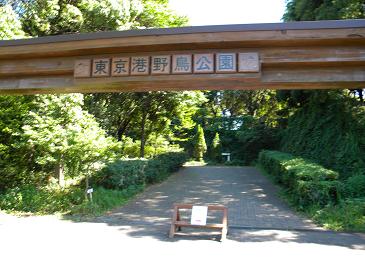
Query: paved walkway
[251,200]
[134,238]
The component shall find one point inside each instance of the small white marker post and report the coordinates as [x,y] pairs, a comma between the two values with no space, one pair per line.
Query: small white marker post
[89,193]
[228,156]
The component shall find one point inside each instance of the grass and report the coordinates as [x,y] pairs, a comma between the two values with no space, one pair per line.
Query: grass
[35,200]
[105,200]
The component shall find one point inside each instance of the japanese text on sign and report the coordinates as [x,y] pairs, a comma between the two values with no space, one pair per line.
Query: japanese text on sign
[222,62]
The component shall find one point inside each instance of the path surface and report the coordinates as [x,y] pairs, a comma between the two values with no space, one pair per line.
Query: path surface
[133,239]
[251,199]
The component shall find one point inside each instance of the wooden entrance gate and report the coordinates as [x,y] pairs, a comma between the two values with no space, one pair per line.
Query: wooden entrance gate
[297,55]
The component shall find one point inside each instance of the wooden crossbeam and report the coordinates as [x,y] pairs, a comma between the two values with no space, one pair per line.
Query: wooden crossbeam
[294,55]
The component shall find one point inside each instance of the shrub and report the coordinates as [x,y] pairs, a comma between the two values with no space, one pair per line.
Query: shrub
[161,166]
[41,199]
[347,215]
[288,169]
[308,182]
[354,186]
[306,193]
[122,174]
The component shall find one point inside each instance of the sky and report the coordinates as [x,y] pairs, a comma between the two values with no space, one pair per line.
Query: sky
[220,12]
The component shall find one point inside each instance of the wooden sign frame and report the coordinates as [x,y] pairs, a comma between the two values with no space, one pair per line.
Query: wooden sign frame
[292,55]
[177,223]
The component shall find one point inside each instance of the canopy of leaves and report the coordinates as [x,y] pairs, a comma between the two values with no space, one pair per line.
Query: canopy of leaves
[39,17]
[10,26]
[310,10]
[57,129]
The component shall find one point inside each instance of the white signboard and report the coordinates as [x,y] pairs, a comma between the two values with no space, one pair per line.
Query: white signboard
[199,215]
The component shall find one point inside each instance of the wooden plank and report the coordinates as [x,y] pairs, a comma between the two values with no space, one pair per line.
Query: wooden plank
[299,25]
[312,78]
[212,226]
[38,67]
[269,57]
[323,37]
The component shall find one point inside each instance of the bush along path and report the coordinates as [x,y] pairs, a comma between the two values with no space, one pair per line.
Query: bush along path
[317,191]
[113,185]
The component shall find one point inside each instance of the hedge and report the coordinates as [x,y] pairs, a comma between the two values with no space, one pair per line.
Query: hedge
[309,182]
[125,173]
[354,187]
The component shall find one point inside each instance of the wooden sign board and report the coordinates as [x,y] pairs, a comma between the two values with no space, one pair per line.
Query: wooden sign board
[199,215]
[168,63]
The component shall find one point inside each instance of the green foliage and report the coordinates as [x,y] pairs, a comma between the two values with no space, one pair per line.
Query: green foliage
[122,174]
[61,133]
[354,187]
[162,165]
[308,182]
[216,149]
[328,129]
[40,199]
[39,17]
[104,200]
[52,199]
[15,164]
[247,121]
[200,147]
[158,14]
[149,118]
[10,26]
[311,10]
[252,137]
[44,136]
[288,168]
[349,215]
[307,193]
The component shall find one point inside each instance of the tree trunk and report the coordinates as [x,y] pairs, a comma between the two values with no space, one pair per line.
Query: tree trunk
[122,128]
[60,172]
[143,134]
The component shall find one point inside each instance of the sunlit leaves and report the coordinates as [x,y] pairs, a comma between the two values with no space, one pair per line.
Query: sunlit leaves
[10,26]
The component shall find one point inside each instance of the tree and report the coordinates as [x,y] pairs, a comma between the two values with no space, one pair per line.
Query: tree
[64,138]
[216,149]
[200,146]
[39,17]
[146,116]
[15,161]
[309,10]
[10,26]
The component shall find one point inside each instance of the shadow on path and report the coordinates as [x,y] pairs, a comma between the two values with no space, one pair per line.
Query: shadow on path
[251,200]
